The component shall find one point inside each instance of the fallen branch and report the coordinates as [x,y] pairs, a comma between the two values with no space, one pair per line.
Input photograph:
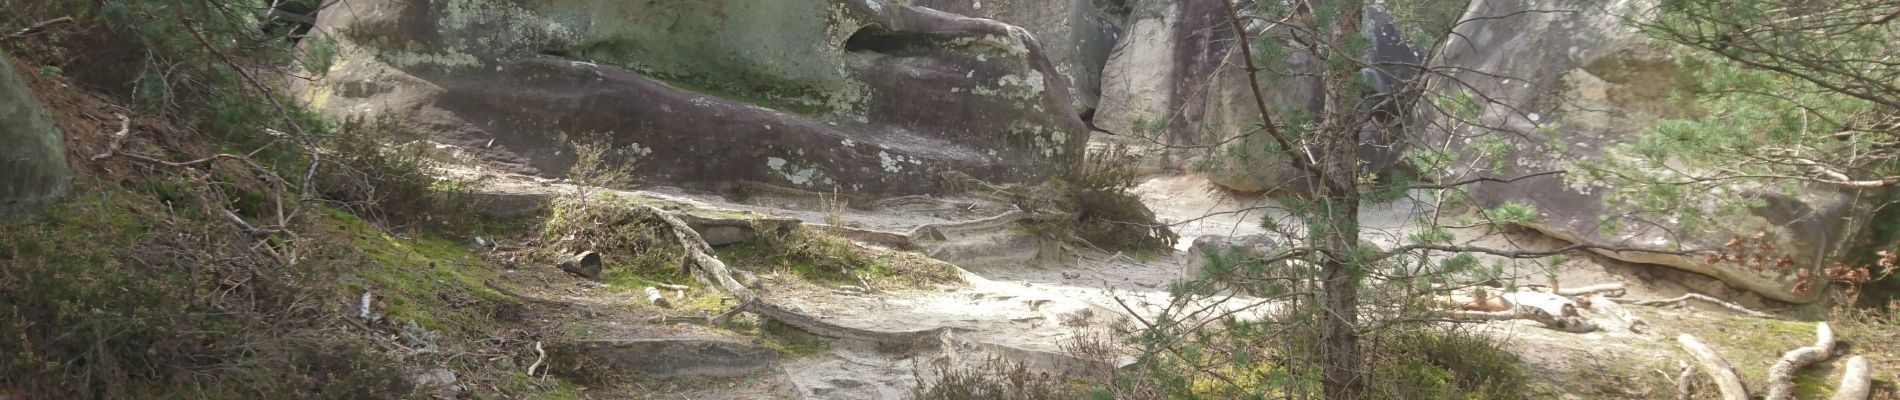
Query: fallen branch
[539,355]
[1566,324]
[1623,317]
[1684,300]
[1717,368]
[37,28]
[114,141]
[1614,290]
[1856,381]
[1781,375]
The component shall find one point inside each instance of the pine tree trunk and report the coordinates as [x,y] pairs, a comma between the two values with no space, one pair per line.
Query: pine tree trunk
[1339,334]
[1337,181]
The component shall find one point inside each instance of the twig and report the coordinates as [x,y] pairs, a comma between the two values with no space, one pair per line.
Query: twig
[36,28]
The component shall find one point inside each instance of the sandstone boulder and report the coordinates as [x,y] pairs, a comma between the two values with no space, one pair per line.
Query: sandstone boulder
[861,95]
[33,170]
[1579,83]
[1078,35]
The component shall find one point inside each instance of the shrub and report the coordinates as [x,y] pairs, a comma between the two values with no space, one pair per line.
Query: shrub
[1107,214]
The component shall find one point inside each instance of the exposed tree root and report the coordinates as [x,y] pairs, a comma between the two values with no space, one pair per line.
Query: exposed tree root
[1781,375]
[1684,299]
[707,269]
[1718,369]
[1857,381]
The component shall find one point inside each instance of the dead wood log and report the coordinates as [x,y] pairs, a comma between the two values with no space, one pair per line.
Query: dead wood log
[585,264]
[1856,381]
[655,298]
[1781,375]
[1684,299]
[1553,311]
[1718,369]
[1552,304]
[1623,317]
[37,28]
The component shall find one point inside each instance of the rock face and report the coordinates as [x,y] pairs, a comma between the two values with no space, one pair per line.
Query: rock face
[1078,35]
[1179,78]
[33,168]
[860,95]
[1581,82]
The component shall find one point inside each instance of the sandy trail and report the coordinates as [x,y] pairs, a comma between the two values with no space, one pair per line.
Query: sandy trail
[1023,300]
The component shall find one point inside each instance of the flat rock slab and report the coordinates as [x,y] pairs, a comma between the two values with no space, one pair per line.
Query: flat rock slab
[683,357]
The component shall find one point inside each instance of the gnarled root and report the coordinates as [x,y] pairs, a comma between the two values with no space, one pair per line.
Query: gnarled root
[707,269]
[1781,375]
[1857,381]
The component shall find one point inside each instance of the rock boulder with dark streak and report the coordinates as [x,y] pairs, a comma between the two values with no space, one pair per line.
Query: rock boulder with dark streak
[1178,78]
[1579,82]
[33,169]
[861,95]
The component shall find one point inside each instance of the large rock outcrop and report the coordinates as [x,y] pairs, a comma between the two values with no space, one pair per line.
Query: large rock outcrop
[861,95]
[1078,35]
[1177,78]
[33,169]
[1567,86]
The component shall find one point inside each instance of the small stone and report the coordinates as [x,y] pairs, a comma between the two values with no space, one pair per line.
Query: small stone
[441,380]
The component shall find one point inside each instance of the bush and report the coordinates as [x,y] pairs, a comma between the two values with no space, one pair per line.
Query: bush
[1107,214]
[392,184]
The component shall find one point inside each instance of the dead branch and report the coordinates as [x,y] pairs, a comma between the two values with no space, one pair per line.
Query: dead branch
[1856,381]
[1684,300]
[1781,375]
[112,146]
[539,355]
[1623,317]
[37,28]
[1717,368]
